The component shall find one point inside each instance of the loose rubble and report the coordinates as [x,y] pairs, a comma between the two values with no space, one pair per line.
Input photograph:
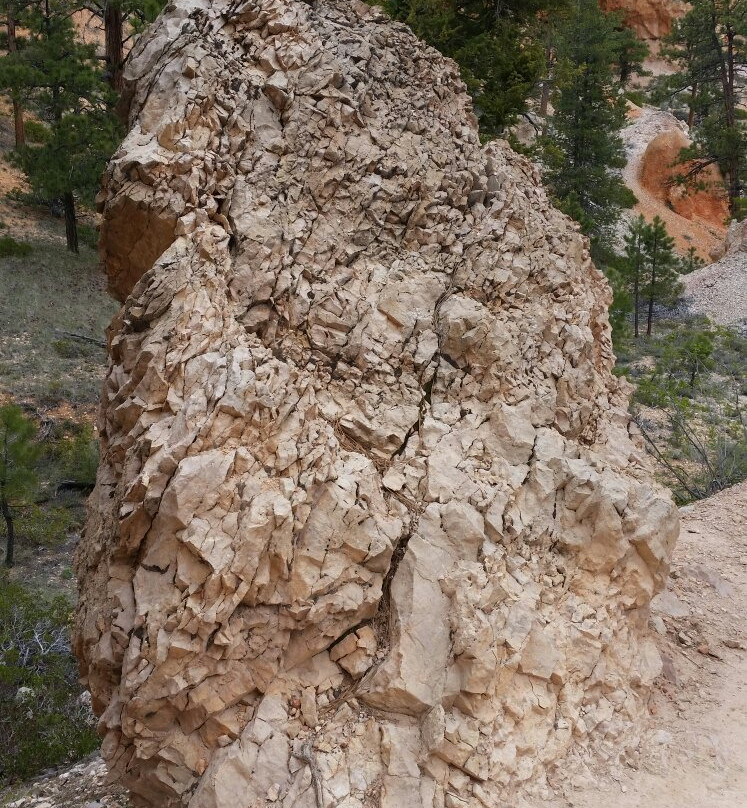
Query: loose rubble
[80,786]
[719,290]
[369,527]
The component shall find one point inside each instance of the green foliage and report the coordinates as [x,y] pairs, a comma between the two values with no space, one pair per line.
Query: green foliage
[709,47]
[582,150]
[18,456]
[649,272]
[637,97]
[612,265]
[36,132]
[691,261]
[18,453]
[47,526]
[495,45]
[74,156]
[10,247]
[62,79]
[44,721]
[139,13]
[30,198]
[688,406]
[75,455]
[630,53]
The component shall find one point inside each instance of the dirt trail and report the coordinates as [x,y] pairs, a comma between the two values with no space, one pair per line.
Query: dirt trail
[647,124]
[694,752]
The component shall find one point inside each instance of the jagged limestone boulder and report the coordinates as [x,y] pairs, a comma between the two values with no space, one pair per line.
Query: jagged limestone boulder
[369,528]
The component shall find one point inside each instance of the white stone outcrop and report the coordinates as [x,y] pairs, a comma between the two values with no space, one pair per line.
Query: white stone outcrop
[369,528]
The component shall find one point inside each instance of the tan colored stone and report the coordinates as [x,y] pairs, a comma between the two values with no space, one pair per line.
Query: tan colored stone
[368,516]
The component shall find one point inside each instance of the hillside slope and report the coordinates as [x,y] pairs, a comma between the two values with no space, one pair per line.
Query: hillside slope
[720,289]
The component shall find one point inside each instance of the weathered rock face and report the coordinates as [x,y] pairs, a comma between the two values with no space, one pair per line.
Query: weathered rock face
[369,529]
[650,19]
[660,172]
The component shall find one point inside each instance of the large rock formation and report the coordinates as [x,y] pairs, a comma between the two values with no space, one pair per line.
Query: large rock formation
[694,216]
[650,19]
[369,528]
[664,177]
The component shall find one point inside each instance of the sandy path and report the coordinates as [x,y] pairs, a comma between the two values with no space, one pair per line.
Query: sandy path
[695,750]
[636,136]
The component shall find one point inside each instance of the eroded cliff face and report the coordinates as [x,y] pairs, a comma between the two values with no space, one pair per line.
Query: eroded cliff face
[369,528]
[650,19]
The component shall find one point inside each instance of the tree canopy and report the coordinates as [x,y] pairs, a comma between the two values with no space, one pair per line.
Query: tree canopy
[709,47]
[62,79]
[495,44]
[582,148]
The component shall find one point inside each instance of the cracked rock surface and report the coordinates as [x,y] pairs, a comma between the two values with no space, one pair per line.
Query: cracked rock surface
[369,529]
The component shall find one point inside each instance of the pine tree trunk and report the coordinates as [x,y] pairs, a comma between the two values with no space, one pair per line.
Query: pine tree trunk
[691,110]
[636,303]
[113,39]
[17,106]
[71,225]
[11,540]
[651,292]
[545,98]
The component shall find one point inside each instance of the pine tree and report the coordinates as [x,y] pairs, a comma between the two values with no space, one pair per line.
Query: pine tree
[634,266]
[662,284]
[18,454]
[122,19]
[709,45]
[71,161]
[691,261]
[630,53]
[62,78]
[649,271]
[501,61]
[583,151]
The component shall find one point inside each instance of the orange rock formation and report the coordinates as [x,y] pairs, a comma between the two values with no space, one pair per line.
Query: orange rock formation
[707,203]
[651,19]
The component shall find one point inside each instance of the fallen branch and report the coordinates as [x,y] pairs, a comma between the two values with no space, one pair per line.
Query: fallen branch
[307,755]
[82,337]
[73,485]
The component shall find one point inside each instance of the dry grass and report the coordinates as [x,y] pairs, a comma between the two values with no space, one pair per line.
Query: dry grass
[44,294]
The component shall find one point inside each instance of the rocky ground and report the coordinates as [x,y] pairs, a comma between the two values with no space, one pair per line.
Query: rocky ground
[81,786]
[694,751]
[719,290]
